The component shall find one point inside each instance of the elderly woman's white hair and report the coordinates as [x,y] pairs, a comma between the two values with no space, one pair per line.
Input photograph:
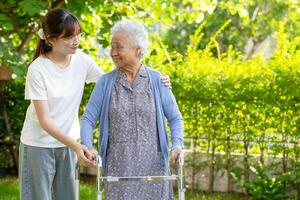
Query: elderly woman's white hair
[136,33]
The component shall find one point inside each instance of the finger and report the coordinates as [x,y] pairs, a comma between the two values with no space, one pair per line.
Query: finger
[86,161]
[166,82]
[174,157]
[93,151]
[88,154]
[165,78]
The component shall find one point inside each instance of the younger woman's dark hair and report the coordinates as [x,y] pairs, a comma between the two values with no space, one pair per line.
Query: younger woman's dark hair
[57,23]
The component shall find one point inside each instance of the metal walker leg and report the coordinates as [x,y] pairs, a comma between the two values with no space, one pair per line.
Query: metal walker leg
[99,180]
[77,176]
[181,189]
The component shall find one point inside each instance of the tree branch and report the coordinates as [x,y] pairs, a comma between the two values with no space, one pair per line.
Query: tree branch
[27,38]
[58,4]
[25,42]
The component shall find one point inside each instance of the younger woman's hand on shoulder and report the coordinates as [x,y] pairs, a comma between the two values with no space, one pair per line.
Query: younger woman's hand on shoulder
[166,80]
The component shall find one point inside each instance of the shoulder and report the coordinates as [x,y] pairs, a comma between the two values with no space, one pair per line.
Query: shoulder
[80,53]
[105,82]
[38,65]
[82,57]
[39,61]
[154,74]
[104,79]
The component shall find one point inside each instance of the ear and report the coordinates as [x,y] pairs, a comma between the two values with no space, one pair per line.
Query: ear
[50,40]
[138,52]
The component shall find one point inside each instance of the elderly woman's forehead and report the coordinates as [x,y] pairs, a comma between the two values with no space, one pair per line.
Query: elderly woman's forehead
[119,37]
[120,34]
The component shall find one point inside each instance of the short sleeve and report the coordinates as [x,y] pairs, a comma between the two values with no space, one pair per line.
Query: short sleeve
[93,72]
[35,88]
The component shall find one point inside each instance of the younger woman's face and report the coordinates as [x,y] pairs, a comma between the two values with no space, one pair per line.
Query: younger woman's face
[67,45]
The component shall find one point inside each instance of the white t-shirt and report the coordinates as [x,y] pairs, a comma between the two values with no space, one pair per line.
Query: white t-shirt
[63,89]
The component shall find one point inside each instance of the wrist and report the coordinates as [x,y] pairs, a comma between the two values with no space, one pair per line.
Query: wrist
[176,148]
[75,146]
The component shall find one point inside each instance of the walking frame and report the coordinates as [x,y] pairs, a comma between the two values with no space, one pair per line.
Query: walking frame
[179,177]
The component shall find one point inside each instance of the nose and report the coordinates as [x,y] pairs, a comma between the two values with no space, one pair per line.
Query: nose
[75,42]
[113,52]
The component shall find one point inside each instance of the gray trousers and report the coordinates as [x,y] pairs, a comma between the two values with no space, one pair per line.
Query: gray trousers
[46,173]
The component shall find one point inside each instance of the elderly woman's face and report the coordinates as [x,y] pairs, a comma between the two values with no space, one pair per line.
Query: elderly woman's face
[122,52]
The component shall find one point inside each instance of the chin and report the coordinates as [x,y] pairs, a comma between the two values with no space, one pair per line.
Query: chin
[116,63]
[68,51]
[72,51]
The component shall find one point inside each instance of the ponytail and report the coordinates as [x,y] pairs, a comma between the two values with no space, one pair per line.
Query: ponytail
[41,49]
[56,23]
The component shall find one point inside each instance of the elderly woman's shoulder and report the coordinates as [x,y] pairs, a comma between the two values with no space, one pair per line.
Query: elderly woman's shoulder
[153,72]
[108,76]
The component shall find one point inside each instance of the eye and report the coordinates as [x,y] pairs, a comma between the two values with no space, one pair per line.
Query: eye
[117,47]
[73,37]
[69,38]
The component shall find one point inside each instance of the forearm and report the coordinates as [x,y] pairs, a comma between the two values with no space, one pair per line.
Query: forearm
[86,131]
[52,129]
[90,116]
[176,126]
[48,124]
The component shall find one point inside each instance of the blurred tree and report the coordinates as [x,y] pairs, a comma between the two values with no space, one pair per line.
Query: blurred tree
[253,19]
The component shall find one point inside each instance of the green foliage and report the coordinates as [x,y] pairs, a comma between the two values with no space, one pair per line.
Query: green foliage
[265,188]
[16,106]
[5,158]
[31,7]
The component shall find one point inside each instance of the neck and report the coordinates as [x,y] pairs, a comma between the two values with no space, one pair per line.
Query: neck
[131,71]
[62,60]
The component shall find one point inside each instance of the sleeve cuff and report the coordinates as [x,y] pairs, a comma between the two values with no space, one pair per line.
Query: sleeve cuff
[177,143]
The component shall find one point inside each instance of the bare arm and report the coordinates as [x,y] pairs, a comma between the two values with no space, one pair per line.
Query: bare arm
[47,123]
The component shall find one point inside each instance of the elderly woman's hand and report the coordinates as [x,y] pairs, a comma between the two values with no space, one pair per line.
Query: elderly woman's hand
[166,80]
[175,153]
[93,153]
[83,155]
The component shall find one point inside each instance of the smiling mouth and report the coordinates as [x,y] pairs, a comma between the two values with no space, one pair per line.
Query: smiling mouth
[115,58]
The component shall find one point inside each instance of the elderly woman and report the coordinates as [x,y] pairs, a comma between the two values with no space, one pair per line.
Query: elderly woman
[131,104]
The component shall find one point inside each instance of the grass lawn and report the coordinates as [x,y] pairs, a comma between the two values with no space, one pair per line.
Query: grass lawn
[9,191]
